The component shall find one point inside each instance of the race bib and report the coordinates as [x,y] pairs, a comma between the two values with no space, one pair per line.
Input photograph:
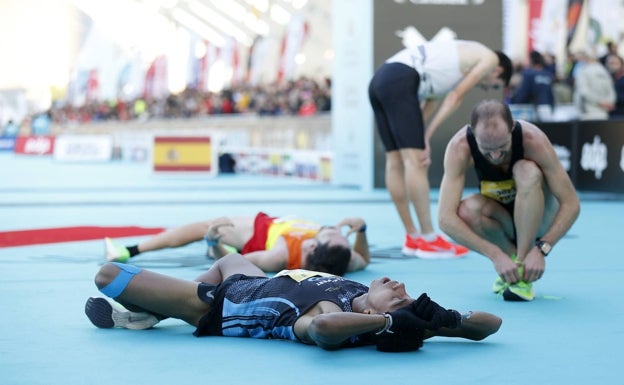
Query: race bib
[301,274]
[503,191]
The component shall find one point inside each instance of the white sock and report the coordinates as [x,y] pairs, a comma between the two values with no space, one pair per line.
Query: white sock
[430,237]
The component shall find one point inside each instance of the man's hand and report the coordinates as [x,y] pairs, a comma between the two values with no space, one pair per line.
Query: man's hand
[405,334]
[534,265]
[214,231]
[425,156]
[437,316]
[355,224]
[506,268]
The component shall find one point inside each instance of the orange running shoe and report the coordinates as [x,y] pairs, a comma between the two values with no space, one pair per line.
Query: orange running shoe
[439,248]
[410,247]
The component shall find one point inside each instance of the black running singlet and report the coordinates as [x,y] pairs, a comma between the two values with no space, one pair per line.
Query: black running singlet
[260,307]
[493,182]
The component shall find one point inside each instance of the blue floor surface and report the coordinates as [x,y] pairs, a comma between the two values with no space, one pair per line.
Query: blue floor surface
[571,334]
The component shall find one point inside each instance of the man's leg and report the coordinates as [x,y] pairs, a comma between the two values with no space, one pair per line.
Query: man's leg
[176,237]
[396,185]
[227,266]
[490,220]
[530,205]
[144,290]
[235,236]
[417,187]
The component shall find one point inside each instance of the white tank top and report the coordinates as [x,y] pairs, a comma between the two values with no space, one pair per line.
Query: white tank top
[438,66]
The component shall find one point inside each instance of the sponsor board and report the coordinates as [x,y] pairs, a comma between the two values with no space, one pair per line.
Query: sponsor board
[592,152]
[304,164]
[83,148]
[7,143]
[34,145]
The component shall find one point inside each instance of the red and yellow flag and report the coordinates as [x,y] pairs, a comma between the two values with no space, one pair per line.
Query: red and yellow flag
[176,153]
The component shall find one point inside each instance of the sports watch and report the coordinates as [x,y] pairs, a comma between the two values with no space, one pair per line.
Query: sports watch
[544,247]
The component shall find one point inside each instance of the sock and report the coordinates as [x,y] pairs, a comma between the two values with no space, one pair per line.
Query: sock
[430,237]
[134,250]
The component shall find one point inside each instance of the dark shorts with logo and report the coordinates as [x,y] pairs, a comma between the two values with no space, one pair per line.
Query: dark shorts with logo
[211,323]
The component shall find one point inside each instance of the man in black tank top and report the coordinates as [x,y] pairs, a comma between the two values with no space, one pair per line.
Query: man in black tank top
[235,298]
[526,201]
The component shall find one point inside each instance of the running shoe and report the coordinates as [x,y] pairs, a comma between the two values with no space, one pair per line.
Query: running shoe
[519,291]
[115,253]
[499,286]
[106,315]
[410,247]
[438,249]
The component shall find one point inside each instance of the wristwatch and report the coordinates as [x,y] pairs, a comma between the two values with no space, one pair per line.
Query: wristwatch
[544,247]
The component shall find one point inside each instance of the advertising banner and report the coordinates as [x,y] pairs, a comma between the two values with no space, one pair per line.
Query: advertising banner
[34,145]
[83,148]
[601,157]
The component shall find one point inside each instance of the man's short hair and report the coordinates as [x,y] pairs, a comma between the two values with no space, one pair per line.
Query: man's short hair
[329,259]
[489,108]
[505,63]
[537,59]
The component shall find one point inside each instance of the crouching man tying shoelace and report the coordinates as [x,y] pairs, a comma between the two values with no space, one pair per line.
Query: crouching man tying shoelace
[235,298]
[526,201]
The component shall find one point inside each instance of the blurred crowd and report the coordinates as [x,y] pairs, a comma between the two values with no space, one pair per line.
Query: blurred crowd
[593,85]
[301,97]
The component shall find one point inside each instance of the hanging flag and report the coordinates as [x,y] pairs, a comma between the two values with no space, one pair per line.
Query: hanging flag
[156,79]
[252,60]
[573,16]
[93,85]
[295,36]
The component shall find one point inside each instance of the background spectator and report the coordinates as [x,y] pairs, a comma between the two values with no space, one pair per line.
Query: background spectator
[594,93]
[536,87]
[615,66]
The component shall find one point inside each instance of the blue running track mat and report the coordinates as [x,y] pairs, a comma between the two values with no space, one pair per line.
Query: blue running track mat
[571,334]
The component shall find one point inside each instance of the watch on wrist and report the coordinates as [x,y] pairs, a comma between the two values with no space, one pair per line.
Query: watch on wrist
[544,247]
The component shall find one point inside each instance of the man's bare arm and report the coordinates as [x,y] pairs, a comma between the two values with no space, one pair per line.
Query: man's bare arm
[539,149]
[331,330]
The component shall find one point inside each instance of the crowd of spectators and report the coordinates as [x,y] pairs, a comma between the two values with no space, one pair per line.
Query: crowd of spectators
[593,85]
[302,97]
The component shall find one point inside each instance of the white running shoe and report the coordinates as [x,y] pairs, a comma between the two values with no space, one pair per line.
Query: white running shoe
[106,315]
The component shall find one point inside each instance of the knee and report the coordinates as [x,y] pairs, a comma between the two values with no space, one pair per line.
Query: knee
[394,164]
[474,210]
[106,275]
[527,175]
[470,211]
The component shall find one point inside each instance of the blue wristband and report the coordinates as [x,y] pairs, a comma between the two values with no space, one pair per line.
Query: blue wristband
[211,242]
[362,229]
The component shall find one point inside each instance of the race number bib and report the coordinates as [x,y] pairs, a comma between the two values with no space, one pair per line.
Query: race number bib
[301,274]
[503,191]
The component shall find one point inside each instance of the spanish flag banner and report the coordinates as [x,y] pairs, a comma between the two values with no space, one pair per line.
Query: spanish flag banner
[179,153]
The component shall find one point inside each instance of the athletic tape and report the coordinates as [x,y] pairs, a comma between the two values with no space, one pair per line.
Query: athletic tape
[118,285]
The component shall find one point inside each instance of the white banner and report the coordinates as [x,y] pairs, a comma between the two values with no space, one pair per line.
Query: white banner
[352,116]
[83,148]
